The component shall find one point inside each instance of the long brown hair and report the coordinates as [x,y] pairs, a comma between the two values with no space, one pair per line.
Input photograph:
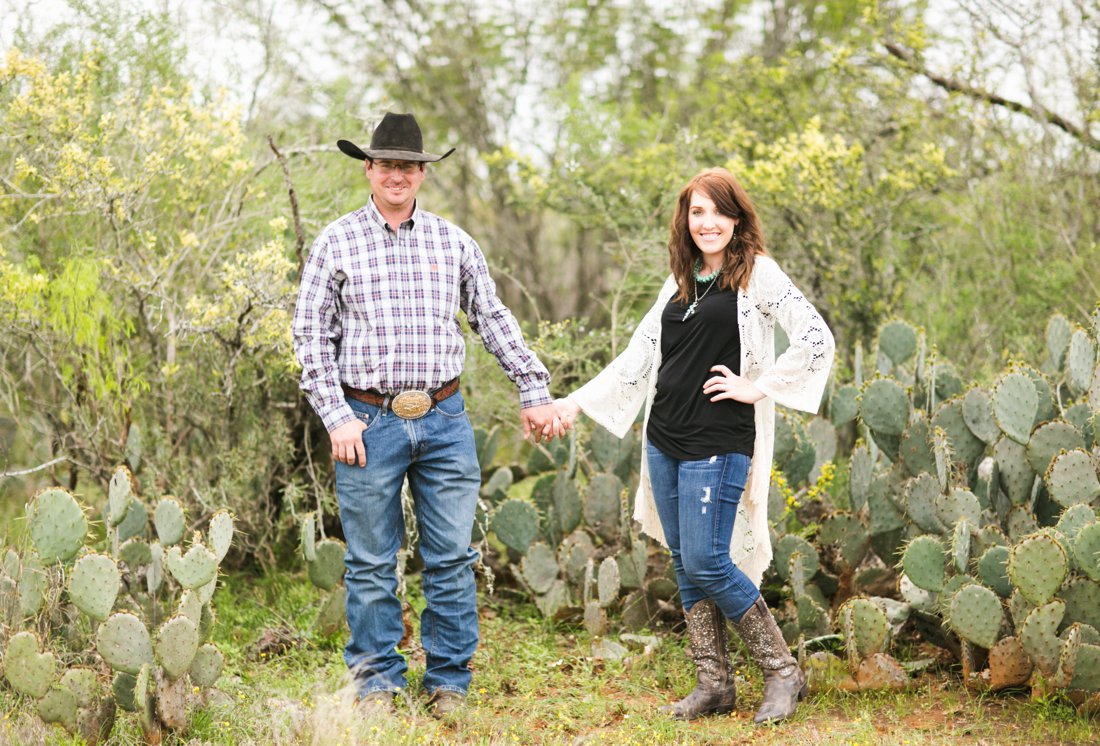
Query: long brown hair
[733,201]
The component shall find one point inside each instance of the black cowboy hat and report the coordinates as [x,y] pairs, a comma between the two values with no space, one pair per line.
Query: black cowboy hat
[397,137]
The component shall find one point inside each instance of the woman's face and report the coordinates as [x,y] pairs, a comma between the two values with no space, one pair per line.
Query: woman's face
[711,230]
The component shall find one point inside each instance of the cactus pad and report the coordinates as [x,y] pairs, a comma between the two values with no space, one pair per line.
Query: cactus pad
[1074,518]
[33,584]
[333,616]
[573,555]
[977,412]
[860,473]
[1039,635]
[1013,470]
[28,671]
[123,642]
[602,504]
[897,340]
[94,585]
[539,567]
[993,570]
[567,504]
[1080,361]
[1086,550]
[327,569]
[924,563]
[135,553]
[122,686]
[1072,478]
[958,505]
[1048,440]
[58,706]
[976,615]
[554,599]
[119,495]
[134,522]
[865,628]
[847,534]
[516,523]
[787,545]
[57,525]
[920,496]
[1015,406]
[308,537]
[169,521]
[884,407]
[915,449]
[608,582]
[632,565]
[965,446]
[1058,334]
[1082,598]
[844,405]
[960,545]
[197,567]
[220,534]
[1020,523]
[177,642]
[82,683]
[1037,566]
[207,666]
[1009,664]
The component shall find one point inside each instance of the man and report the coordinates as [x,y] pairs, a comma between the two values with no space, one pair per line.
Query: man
[377,335]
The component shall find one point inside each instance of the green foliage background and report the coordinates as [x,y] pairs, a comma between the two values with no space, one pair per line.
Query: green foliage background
[149,253]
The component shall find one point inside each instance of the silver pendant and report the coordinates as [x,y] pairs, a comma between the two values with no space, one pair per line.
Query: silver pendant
[691,311]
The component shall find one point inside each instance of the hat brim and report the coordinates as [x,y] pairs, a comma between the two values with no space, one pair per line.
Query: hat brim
[353,150]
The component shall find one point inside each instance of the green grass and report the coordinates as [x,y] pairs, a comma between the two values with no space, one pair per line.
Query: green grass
[536,683]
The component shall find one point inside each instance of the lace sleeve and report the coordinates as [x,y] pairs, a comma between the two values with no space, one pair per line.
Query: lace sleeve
[798,377]
[615,395]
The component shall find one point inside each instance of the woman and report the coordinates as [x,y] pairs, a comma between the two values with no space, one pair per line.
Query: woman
[702,361]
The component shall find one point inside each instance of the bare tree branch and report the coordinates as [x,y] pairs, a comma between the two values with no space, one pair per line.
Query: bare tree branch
[21,472]
[1039,114]
[299,234]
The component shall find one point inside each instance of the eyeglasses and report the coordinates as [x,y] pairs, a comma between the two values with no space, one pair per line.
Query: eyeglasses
[388,167]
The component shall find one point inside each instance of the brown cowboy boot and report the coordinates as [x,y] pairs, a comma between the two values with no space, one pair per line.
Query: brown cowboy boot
[714,694]
[784,682]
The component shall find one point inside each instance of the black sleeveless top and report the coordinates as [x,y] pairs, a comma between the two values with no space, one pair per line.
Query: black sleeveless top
[683,422]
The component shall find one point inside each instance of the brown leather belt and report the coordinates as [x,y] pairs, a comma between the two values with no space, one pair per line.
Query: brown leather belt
[410,405]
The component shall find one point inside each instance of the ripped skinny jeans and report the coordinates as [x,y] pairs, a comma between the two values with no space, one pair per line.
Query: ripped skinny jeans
[697,503]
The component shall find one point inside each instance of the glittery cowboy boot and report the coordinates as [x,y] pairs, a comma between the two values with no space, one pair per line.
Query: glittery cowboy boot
[784,682]
[714,694]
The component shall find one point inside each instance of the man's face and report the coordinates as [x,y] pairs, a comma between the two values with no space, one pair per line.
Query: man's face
[395,183]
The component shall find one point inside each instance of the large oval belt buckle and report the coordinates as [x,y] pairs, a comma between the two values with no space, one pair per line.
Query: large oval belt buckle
[411,405]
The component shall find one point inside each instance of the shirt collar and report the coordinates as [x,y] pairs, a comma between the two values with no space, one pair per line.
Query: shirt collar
[380,221]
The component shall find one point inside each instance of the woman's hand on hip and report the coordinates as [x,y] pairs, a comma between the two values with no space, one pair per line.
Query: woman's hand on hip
[729,385]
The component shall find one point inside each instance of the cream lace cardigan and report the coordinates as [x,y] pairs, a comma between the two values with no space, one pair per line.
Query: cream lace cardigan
[796,379]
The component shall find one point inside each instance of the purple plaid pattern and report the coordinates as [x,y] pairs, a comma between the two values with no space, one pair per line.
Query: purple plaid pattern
[379,310]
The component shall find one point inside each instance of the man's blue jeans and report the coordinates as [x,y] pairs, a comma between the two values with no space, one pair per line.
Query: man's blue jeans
[697,504]
[438,455]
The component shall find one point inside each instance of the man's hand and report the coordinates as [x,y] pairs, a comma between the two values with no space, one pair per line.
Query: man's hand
[347,443]
[541,422]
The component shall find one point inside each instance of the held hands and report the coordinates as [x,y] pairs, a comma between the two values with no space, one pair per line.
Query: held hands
[556,419]
[541,422]
[729,385]
[347,443]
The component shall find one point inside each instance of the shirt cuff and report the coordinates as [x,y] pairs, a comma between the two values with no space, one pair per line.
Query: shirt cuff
[535,397]
[337,415]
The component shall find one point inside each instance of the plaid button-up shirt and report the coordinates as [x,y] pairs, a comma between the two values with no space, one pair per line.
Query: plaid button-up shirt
[378,309]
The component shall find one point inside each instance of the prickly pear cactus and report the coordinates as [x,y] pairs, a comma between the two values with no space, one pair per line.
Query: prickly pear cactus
[152,680]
